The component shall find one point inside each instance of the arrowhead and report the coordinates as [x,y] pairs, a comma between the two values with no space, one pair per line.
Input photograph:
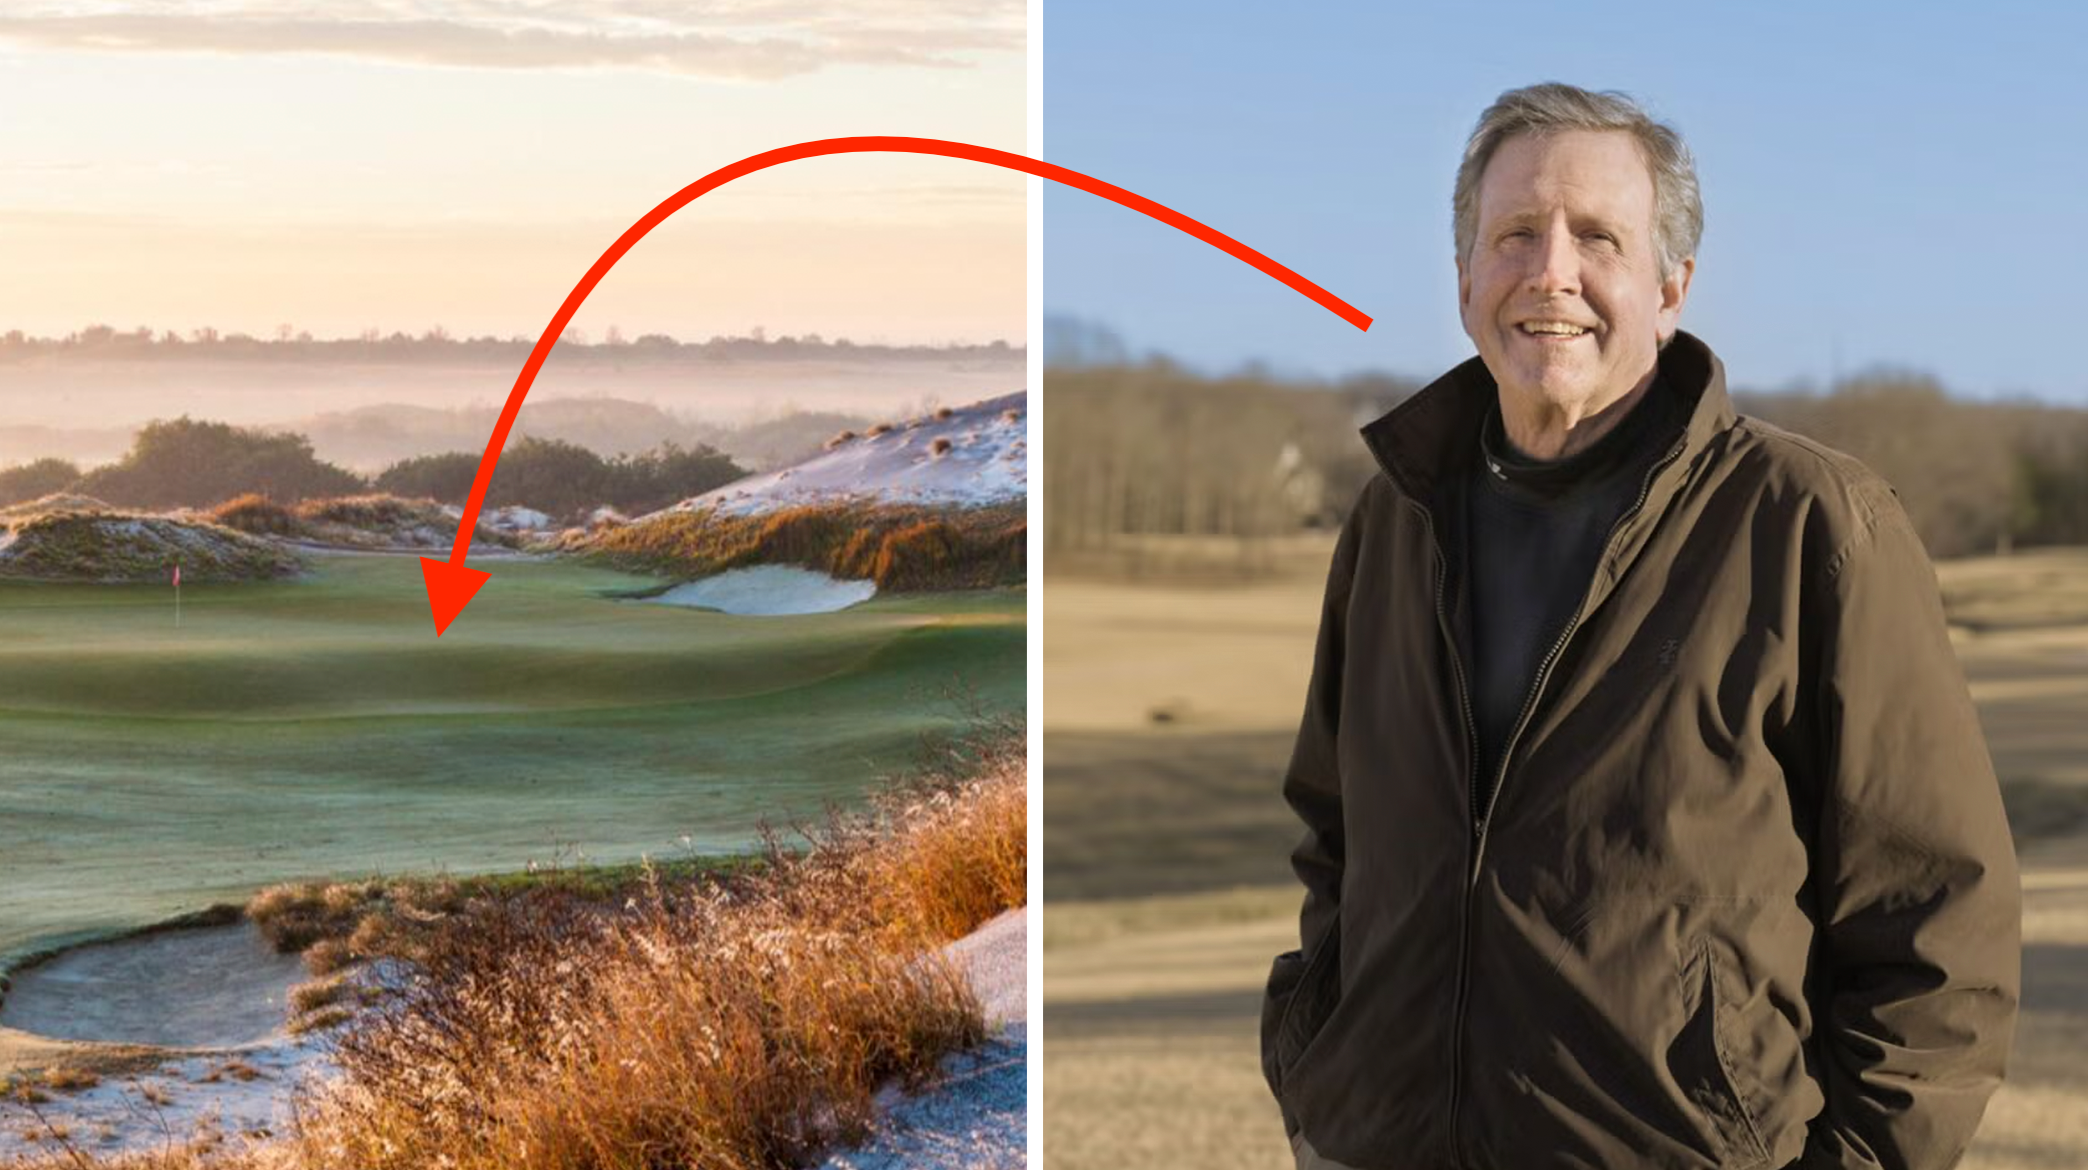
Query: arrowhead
[451,586]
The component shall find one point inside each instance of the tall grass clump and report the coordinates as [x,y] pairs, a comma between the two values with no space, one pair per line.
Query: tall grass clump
[255,514]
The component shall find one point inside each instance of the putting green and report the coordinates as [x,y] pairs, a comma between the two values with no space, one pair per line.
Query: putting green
[317,727]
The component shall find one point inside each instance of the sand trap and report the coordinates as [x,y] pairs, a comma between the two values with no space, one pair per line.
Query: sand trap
[210,987]
[769,591]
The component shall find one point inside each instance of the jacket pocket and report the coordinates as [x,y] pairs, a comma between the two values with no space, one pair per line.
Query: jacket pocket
[1301,995]
[1702,1063]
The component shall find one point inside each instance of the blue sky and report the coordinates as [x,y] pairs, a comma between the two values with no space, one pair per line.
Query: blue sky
[1897,185]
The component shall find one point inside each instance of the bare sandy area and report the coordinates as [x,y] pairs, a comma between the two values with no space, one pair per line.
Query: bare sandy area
[215,987]
[181,1031]
[769,591]
[1168,715]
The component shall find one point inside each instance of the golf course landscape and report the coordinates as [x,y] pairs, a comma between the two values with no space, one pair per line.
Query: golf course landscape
[313,726]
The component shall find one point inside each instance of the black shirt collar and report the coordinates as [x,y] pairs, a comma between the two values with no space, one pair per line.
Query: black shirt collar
[1636,439]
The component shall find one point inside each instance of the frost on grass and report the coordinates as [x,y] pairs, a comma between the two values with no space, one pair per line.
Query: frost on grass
[83,544]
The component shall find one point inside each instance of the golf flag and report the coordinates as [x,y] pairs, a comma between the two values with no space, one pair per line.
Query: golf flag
[177,595]
[177,576]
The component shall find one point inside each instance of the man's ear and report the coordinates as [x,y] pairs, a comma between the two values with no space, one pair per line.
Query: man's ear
[1674,291]
[1464,286]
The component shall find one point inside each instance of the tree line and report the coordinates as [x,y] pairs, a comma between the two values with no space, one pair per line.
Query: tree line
[1151,448]
[437,344]
[194,463]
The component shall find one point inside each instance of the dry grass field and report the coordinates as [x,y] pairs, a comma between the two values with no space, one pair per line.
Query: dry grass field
[1169,711]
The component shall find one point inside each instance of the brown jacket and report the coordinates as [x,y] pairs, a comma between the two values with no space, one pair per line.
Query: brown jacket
[1744,895]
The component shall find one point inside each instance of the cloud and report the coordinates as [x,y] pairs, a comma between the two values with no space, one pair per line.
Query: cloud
[740,40]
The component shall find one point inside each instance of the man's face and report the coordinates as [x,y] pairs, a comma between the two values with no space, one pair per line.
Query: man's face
[1565,238]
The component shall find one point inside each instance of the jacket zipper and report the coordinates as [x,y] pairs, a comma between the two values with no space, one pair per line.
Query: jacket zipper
[1551,658]
[1476,843]
[1464,920]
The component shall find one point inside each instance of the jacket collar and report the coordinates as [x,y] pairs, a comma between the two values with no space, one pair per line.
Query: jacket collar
[1433,436]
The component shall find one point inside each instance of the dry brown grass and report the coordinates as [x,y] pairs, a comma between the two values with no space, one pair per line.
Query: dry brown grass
[900,547]
[256,514]
[70,1080]
[738,1024]
[371,511]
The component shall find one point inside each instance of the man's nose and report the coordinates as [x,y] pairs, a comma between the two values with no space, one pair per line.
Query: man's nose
[1556,271]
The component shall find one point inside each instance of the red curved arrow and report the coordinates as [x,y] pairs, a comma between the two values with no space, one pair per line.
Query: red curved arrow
[451,585]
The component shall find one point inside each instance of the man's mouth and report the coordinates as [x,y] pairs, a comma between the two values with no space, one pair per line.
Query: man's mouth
[1553,330]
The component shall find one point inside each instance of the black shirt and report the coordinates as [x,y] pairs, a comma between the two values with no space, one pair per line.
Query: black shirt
[1534,530]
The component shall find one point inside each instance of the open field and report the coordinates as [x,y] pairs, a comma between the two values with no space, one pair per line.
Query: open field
[316,727]
[1169,890]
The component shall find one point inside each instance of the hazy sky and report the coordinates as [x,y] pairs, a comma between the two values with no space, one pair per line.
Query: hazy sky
[1884,183]
[402,164]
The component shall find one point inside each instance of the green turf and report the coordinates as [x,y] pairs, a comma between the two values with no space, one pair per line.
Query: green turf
[317,727]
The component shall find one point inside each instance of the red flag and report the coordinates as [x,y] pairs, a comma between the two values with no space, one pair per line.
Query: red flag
[177,576]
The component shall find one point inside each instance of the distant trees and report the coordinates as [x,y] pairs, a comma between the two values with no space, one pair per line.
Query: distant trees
[669,474]
[187,463]
[565,479]
[1973,476]
[445,477]
[35,480]
[1151,448]
[1155,449]
[286,343]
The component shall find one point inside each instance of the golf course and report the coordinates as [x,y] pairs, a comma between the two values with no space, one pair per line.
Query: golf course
[315,726]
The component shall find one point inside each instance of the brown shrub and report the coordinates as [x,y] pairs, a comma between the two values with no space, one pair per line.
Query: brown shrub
[70,1080]
[329,955]
[257,514]
[372,511]
[939,448]
[314,994]
[293,916]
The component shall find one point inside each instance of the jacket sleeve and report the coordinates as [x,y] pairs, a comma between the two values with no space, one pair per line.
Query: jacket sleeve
[1312,783]
[1920,910]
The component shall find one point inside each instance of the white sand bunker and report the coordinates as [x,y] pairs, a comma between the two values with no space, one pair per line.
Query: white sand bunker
[770,591]
[208,987]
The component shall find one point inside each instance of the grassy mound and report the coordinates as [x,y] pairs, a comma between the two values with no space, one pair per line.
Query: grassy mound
[903,548]
[89,545]
[364,522]
[60,502]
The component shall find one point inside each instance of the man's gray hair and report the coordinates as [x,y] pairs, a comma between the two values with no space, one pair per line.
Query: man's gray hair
[1678,206]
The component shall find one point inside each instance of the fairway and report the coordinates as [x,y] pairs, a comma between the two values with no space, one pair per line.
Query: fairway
[318,727]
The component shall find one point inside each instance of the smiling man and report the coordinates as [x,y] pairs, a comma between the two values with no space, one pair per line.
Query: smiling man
[1648,818]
